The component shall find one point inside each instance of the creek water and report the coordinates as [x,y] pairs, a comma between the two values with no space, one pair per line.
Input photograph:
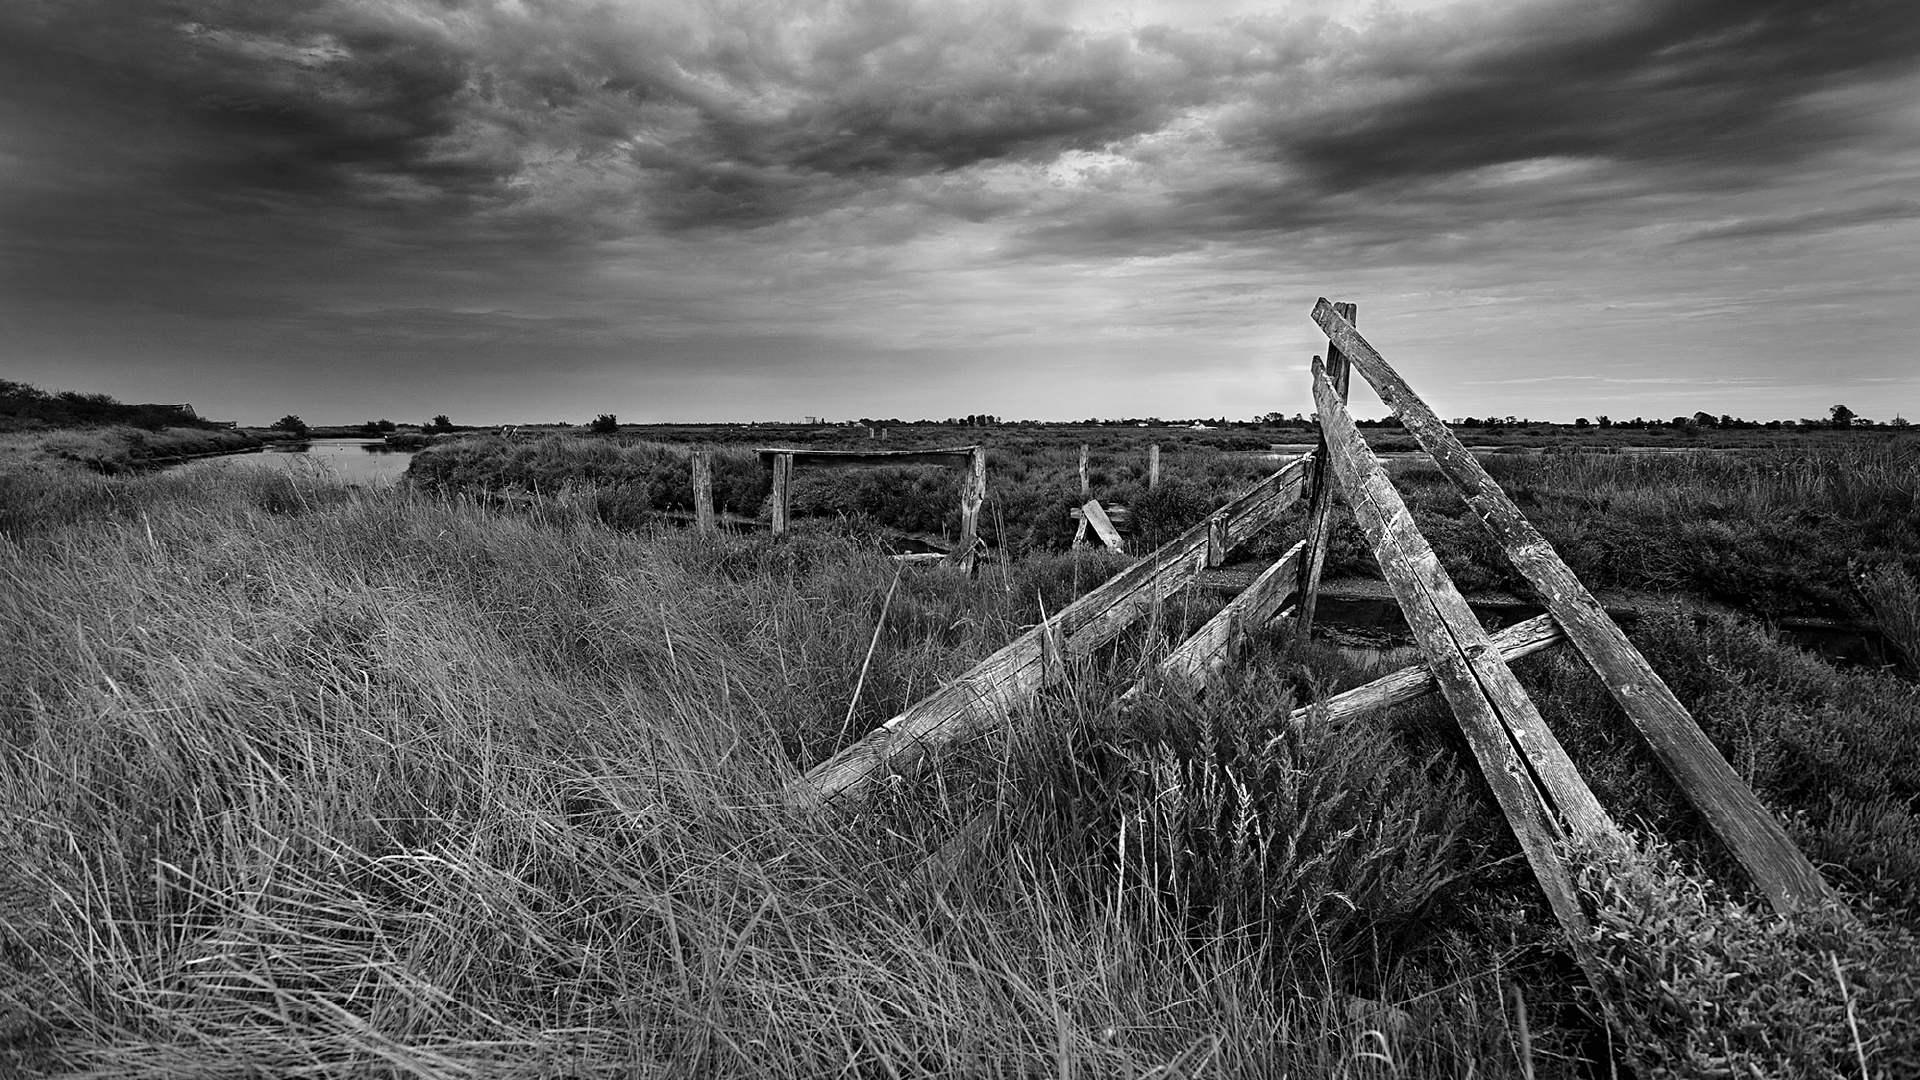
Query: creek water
[362,462]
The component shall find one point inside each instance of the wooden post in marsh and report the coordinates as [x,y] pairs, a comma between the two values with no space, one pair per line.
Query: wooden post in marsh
[782,490]
[1085,492]
[1540,793]
[1750,832]
[1320,509]
[994,687]
[1153,466]
[1095,515]
[973,492]
[703,492]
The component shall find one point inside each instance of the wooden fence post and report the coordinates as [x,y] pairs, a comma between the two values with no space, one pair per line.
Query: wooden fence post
[1084,490]
[1320,509]
[782,491]
[973,492]
[703,492]
[1153,466]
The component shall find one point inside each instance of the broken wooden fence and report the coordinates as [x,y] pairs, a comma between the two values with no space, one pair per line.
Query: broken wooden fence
[973,490]
[1537,786]
[988,693]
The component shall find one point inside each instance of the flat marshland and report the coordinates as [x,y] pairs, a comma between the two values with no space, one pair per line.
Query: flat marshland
[306,779]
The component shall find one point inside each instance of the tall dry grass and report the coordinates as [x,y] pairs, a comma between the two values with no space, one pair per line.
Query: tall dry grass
[301,779]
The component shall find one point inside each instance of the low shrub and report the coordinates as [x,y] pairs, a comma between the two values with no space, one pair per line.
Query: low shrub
[1710,987]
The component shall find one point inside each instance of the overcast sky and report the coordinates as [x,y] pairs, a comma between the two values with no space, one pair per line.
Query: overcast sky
[526,210]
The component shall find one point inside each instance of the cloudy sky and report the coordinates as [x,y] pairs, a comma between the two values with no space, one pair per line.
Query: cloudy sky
[722,210]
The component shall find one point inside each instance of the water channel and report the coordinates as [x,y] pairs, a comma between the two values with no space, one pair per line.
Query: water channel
[360,462]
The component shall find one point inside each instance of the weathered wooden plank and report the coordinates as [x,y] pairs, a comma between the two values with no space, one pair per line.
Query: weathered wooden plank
[1750,832]
[1153,466]
[1443,622]
[988,692]
[782,491]
[1320,506]
[1412,683]
[1120,516]
[703,492]
[1084,490]
[1096,515]
[961,456]
[973,492]
[1523,763]
[1190,666]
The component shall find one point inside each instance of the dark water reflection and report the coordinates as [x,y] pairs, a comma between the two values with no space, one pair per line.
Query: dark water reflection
[366,462]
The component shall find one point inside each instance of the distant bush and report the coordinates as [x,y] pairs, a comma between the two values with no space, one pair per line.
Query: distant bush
[24,406]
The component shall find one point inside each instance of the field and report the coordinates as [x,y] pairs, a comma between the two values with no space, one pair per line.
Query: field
[432,782]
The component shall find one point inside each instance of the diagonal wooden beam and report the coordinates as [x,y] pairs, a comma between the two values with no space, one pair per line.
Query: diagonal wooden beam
[1194,662]
[1413,683]
[1539,791]
[1011,677]
[1750,832]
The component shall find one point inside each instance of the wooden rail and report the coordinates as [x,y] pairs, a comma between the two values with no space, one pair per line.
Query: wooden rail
[1413,683]
[1207,650]
[986,694]
[1757,841]
[973,490]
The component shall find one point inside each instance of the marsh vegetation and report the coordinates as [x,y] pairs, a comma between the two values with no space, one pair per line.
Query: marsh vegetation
[304,778]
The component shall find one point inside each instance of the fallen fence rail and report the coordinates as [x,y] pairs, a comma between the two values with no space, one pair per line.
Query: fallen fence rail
[993,688]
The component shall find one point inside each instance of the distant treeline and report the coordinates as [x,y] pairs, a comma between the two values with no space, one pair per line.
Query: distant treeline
[26,406]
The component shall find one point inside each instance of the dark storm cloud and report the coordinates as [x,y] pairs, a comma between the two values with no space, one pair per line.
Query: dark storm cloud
[1708,86]
[1421,123]
[752,114]
[594,177]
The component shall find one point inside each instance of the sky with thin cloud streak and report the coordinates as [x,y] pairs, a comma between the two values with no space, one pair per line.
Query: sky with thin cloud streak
[525,210]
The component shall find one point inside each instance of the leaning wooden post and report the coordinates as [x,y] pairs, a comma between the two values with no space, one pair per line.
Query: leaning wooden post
[1084,490]
[973,492]
[1153,466]
[1538,789]
[1737,817]
[703,492]
[1320,509]
[782,491]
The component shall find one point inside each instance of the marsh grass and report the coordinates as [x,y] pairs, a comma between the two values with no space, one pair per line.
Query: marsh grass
[121,448]
[1033,484]
[1770,532]
[304,778]
[301,778]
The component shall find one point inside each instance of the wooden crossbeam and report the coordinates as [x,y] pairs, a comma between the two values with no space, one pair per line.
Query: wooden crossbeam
[1538,789]
[1762,847]
[1190,666]
[845,459]
[1413,683]
[1011,677]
